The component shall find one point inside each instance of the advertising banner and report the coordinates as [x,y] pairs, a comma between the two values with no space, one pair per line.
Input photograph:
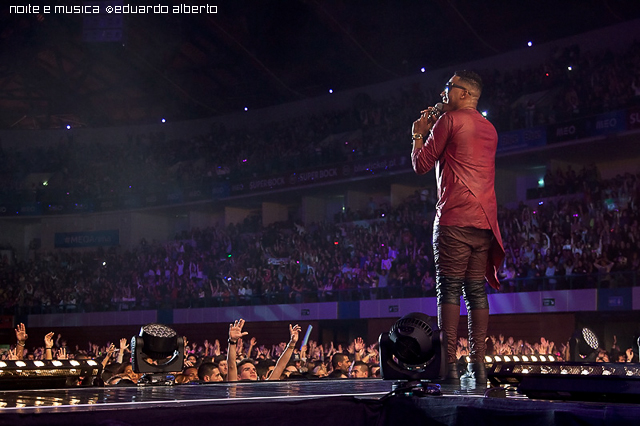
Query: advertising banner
[87,239]
[603,124]
[522,139]
[567,131]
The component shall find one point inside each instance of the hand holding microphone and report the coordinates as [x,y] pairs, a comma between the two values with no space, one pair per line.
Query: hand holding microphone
[428,118]
[434,112]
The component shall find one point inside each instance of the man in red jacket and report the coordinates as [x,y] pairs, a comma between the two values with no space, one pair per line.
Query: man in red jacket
[461,145]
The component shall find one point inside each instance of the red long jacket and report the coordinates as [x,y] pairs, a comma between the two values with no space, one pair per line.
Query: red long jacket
[462,148]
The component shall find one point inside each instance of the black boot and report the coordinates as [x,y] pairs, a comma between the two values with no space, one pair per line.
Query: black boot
[448,319]
[452,377]
[448,291]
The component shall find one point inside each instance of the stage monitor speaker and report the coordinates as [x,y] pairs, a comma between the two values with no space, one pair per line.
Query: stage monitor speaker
[570,381]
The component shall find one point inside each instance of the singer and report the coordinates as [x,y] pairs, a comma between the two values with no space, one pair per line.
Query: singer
[456,140]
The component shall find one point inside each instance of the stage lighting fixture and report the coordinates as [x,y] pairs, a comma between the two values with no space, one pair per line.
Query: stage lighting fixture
[157,349]
[48,374]
[577,381]
[491,359]
[413,350]
[583,346]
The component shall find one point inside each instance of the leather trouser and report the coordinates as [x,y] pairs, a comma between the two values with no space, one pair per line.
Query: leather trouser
[461,255]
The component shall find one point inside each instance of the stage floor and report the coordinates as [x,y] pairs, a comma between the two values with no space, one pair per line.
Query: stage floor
[109,398]
[317,402]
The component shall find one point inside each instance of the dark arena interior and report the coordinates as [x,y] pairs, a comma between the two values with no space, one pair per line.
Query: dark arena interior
[213,211]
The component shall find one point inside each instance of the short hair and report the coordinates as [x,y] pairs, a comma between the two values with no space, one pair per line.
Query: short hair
[471,78]
[337,358]
[206,369]
[245,361]
[262,367]
[362,364]
[219,358]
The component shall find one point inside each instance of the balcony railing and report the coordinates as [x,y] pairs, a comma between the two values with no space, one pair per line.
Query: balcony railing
[623,279]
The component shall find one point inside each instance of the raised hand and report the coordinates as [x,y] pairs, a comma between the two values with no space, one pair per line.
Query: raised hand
[235,330]
[21,333]
[62,353]
[358,344]
[110,351]
[48,340]
[294,333]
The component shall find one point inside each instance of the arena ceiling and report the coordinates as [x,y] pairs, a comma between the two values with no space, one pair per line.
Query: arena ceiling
[253,53]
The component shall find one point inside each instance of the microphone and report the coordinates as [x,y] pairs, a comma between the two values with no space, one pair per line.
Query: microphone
[436,112]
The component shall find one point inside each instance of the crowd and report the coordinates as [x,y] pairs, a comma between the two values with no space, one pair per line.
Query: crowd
[240,359]
[151,164]
[586,233]
[582,240]
[243,359]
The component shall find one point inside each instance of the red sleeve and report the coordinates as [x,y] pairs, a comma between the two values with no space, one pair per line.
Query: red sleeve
[425,158]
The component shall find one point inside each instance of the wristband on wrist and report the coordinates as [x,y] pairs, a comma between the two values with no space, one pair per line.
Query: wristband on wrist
[232,342]
[21,343]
